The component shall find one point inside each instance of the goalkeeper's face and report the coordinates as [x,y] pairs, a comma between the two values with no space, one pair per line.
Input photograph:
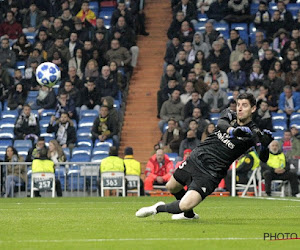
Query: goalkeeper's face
[244,111]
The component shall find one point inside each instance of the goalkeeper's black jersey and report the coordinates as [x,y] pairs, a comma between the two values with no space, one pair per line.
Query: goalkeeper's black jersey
[215,155]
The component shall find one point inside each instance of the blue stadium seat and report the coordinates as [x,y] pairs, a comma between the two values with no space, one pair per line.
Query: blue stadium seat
[7,123]
[33,93]
[98,158]
[101,149]
[279,125]
[106,14]
[278,116]
[94,6]
[23,143]
[5,143]
[295,123]
[45,122]
[87,121]
[30,36]
[10,114]
[80,158]
[230,95]
[20,64]
[106,142]
[67,153]
[202,17]
[23,151]
[47,112]
[295,116]
[223,28]
[293,8]
[7,133]
[82,150]
[2,154]
[117,104]
[84,133]
[253,8]
[172,156]
[60,174]
[107,23]
[84,142]
[214,117]
[278,134]
[165,127]
[273,6]
[200,26]
[89,113]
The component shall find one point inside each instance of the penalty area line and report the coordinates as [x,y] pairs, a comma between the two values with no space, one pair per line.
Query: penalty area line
[271,198]
[129,239]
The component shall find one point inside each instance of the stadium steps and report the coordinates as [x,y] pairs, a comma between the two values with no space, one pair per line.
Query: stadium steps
[140,128]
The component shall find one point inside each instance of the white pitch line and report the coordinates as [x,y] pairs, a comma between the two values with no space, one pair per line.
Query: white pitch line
[128,239]
[272,198]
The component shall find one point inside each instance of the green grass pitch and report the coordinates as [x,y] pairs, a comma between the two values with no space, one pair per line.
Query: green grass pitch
[110,223]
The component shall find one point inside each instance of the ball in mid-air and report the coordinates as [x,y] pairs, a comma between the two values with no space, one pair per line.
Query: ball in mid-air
[47,74]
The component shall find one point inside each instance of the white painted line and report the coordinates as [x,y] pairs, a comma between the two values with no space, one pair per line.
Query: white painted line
[271,198]
[128,239]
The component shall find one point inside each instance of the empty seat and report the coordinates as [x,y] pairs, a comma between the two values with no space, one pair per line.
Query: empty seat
[279,125]
[80,158]
[83,133]
[23,151]
[172,156]
[47,112]
[67,153]
[101,149]
[82,150]
[30,36]
[5,143]
[200,26]
[278,116]
[89,113]
[23,143]
[202,17]
[7,133]
[278,134]
[106,142]
[20,64]
[84,142]
[44,123]
[7,123]
[94,6]
[33,93]
[10,114]
[295,116]
[87,121]
[98,158]
[106,14]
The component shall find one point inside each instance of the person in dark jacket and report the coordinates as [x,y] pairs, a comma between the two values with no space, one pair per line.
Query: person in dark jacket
[106,84]
[217,10]
[65,104]
[262,116]
[64,130]
[196,102]
[90,96]
[104,127]
[27,125]
[17,97]
[33,152]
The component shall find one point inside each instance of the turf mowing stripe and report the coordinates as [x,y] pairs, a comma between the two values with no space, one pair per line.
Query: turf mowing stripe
[129,239]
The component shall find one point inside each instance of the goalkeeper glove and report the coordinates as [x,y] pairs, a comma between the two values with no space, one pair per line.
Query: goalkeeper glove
[240,132]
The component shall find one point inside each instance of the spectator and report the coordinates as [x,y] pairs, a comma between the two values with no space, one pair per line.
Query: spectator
[274,83]
[193,126]
[262,16]
[264,94]
[172,108]
[262,116]
[182,66]
[285,15]
[82,32]
[257,45]
[34,56]
[118,54]
[210,34]
[58,30]
[290,146]
[100,41]
[197,117]
[33,152]
[90,96]
[30,77]
[172,137]
[101,29]
[172,50]
[217,11]
[42,163]
[295,132]
[238,53]
[189,89]
[247,62]
[91,70]
[133,167]
[85,14]
[60,62]
[286,64]
[236,77]
[22,48]
[113,112]
[17,97]
[121,10]
[216,74]
[73,95]
[8,57]
[207,131]
[27,125]
[170,74]
[157,170]
[276,23]
[277,168]
[67,19]
[199,44]
[216,98]
[46,99]
[32,19]
[218,56]
[59,46]
[234,39]
[106,84]
[189,143]
[281,37]
[73,43]
[55,152]
[16,174]
[186,32]
[256,76]
[239,12]
[44,39]
[293,76]
[289,101]
[196,102]
[190,52]
[74,79]
[105,127]
[77,62]
[117,76]
[188,9]
[10,27]
[277,66]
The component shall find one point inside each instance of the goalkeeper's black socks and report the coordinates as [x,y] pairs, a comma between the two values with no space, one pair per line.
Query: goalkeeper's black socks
[172,208]
[178,196]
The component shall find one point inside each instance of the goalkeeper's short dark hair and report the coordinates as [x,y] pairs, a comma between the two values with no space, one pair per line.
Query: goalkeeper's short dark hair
[249,97]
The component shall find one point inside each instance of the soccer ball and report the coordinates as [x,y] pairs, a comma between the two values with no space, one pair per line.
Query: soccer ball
[47,74]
